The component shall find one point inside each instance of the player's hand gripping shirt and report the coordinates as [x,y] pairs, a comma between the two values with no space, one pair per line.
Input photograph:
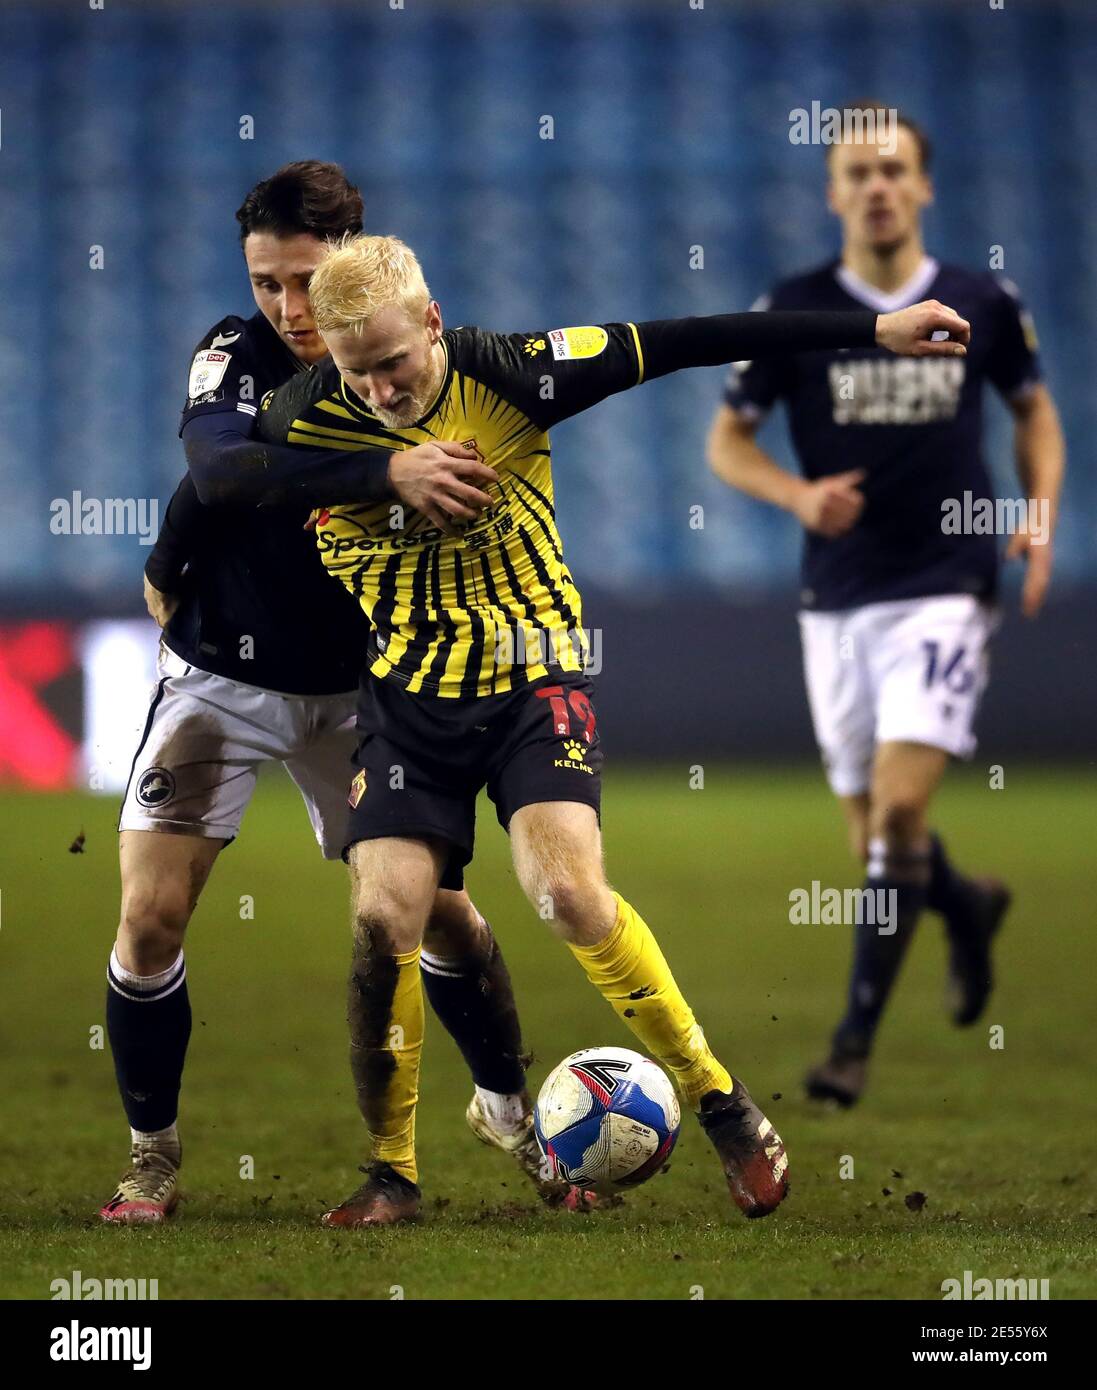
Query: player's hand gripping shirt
[914,425]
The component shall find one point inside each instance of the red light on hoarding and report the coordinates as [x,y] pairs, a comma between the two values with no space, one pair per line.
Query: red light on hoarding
[35,750]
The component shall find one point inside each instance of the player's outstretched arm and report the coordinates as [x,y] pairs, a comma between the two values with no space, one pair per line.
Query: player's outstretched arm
[669,345]
[588,364]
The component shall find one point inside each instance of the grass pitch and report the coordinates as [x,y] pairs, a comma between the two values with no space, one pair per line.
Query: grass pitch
[1000,1142]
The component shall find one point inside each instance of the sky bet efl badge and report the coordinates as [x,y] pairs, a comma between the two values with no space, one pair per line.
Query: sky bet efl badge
[206,372]
[569,343]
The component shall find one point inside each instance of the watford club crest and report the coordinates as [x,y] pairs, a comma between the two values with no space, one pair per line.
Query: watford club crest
[357,790]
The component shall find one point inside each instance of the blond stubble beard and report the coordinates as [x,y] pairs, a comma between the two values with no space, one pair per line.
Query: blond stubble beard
[414,409]
[417,404]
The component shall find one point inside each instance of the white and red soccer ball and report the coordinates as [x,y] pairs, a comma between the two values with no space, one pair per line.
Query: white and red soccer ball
[607,1118]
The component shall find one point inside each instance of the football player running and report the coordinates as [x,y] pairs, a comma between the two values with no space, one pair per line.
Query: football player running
[898,598]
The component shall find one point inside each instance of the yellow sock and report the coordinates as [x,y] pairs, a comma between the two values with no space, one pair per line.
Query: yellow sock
[630,971]
[385,1054]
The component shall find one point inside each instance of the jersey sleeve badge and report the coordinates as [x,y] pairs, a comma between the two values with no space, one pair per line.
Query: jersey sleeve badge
[569,344]
[207,371]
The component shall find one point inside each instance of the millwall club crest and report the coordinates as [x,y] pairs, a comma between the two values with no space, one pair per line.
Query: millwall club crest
[156,787]
[357,790]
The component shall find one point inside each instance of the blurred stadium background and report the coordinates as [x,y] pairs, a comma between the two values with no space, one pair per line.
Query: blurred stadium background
[121,128]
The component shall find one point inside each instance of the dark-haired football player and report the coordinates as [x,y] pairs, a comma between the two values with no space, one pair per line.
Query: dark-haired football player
[260,663]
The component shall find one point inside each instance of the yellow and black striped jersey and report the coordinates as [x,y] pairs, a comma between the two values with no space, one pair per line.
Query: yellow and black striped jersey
[480,612]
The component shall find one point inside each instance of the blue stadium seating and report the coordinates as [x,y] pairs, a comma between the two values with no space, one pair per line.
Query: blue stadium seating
[121,129]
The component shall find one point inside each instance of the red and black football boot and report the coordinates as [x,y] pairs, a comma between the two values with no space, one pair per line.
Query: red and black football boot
[384,1199]
[754,1158]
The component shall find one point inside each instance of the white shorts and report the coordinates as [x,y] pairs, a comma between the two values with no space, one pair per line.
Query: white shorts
[910,672]
[205,738]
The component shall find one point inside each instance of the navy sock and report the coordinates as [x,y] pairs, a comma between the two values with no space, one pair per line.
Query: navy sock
[148,1023]
[473,998]
[950,893]
[878,957]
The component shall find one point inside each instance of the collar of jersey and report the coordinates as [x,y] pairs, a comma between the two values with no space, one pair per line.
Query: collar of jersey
[361,408]
[910,293]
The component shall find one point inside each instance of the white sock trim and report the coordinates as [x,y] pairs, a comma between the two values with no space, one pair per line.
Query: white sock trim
[877,854]
[173,976]
[449,966]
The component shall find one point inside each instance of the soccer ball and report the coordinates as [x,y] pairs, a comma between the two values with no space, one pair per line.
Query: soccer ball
[606,1118]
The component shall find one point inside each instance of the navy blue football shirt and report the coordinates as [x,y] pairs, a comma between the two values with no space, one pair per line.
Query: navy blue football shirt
[914,425]
[256,604]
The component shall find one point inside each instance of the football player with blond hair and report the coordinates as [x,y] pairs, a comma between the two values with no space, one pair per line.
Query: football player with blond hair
[476,668]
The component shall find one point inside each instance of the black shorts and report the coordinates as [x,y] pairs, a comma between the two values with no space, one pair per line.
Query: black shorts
[421,760]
